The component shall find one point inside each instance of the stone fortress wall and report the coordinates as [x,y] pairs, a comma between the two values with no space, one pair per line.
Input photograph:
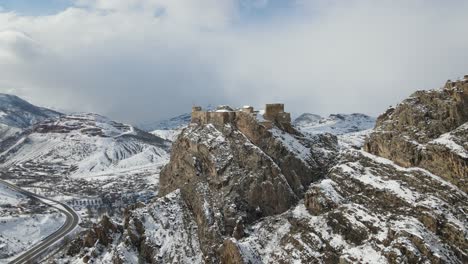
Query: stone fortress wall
[273,113]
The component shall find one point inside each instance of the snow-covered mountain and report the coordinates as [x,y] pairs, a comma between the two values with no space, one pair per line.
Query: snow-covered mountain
[17,114]
[94,164]
[85,155]
[337,124]
[83,145]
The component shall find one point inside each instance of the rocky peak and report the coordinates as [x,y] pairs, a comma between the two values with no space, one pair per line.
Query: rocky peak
[233,173]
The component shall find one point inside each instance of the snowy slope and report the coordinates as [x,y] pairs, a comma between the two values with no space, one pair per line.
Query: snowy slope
[17,114]
[167,134]
[82,144]
[336,124]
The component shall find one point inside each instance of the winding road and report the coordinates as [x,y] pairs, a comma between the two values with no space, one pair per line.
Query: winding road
[33,254]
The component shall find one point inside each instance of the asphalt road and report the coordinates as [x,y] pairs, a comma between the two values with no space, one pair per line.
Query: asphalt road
[32,255]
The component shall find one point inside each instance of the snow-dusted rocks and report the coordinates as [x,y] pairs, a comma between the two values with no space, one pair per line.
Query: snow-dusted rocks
[232,174]
[368,210]
[164,231]
[429,130]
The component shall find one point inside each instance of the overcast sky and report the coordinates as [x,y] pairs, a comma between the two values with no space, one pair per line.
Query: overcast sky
[143,60]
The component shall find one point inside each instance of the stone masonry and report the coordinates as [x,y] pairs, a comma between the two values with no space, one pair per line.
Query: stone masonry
[274,113]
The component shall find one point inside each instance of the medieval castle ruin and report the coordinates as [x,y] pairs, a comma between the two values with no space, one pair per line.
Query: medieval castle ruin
[273,113]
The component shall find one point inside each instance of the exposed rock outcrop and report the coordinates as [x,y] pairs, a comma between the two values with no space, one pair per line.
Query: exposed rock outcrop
[428,130]
[368,210]
[236,173]
[162,232]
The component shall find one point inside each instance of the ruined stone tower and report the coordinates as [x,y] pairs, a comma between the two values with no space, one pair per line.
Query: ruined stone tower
[273,114]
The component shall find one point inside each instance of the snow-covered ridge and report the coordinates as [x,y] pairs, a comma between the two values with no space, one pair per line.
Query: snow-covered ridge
[82,144]
[16,112]
[337,124]
[86,124]
[169,134]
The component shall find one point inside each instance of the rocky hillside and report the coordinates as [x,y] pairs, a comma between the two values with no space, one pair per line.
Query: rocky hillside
[368,210]
[232,176]
[17,114]
[428,130]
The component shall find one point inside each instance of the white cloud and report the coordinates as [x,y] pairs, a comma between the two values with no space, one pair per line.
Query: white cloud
[146,59]
[16,46]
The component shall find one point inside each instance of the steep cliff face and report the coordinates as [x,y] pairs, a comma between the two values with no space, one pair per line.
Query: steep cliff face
[232,175]
[428,130]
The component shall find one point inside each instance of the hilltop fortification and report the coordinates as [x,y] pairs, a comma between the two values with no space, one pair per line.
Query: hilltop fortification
[273,114]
